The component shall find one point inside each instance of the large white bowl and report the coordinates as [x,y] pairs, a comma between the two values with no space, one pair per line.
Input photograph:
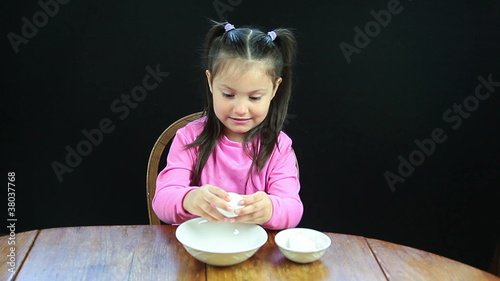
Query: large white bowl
[220,244]
[301,255]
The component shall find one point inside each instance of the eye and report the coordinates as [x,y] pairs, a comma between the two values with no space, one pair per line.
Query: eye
[227,95]
[255,98]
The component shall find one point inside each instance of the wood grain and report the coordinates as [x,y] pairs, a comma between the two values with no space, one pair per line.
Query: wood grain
[110,253]
[23,242]
[406,263]
[349,258]
[151,252]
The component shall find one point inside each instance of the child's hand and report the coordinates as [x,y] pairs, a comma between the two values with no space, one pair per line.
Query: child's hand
[258,209]
[200,202]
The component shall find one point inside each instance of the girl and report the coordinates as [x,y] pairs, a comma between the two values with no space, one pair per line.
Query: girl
[238,145]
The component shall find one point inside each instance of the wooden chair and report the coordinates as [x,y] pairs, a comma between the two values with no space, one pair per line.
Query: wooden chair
[155,157]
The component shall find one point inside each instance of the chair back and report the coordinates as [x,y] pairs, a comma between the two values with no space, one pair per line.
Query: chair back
[155,157]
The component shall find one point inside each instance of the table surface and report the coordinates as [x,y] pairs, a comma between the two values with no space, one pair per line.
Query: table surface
[151,252]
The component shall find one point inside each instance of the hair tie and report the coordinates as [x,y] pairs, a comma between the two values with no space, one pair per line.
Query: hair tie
[228,27]
[272,34]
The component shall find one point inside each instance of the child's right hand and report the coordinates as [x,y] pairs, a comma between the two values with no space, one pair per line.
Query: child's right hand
[203,200]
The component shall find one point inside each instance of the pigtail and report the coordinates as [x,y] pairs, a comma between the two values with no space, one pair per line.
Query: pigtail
[213,37]
[207,140]
[287,46]
[284,41]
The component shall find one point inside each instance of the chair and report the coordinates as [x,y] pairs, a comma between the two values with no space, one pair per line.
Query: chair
[154,160]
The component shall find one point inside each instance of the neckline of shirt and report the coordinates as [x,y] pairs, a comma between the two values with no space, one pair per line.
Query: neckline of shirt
[225,140]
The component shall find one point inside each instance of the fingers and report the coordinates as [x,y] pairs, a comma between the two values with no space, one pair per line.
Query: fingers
[203,201]
[217,196]
[258,209]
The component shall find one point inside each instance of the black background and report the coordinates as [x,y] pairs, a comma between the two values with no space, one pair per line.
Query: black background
[349,121]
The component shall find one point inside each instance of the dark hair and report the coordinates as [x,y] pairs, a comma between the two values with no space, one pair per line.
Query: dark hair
[247,44]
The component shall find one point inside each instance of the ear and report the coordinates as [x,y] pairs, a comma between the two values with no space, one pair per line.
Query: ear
[209,80]
[276,86]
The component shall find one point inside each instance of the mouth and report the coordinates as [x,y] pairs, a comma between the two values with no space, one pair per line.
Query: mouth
[240,120]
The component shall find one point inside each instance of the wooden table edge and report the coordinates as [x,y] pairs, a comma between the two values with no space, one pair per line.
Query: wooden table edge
[367,241]
[21,263]
[373,240]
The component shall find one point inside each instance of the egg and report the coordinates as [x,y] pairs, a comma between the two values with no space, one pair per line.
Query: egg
[235,199]
[300,242]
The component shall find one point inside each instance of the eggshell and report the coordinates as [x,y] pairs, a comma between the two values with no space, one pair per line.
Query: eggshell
[235,199]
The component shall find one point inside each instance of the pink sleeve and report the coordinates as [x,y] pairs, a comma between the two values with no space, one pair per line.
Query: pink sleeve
[283,188]
[173,182]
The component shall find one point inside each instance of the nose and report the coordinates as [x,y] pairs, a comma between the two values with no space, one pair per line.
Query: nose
[240,107]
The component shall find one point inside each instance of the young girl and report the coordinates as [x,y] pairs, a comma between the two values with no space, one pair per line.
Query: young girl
[237,146]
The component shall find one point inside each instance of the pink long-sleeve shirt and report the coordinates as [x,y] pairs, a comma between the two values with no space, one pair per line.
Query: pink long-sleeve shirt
[228,168]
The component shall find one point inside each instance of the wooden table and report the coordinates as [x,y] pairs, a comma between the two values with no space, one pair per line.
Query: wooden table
[150,252]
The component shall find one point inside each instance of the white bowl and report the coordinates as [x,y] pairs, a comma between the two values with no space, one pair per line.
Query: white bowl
[220,244]
[302,245]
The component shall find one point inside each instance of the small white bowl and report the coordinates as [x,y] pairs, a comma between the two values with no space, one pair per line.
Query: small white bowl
[307,245]
[220,244]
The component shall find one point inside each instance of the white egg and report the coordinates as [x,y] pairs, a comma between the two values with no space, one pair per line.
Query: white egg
[300,242]
[235,199]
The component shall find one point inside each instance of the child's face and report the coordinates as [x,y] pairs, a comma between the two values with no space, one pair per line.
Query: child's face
[241,97]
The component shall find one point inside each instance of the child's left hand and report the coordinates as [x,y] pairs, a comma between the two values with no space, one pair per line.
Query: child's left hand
[258,209]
